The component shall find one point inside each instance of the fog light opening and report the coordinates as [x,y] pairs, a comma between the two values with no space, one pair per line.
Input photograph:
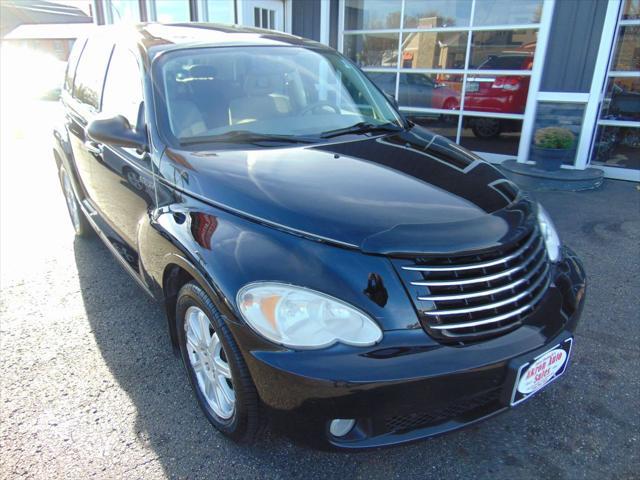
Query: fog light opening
[339,427]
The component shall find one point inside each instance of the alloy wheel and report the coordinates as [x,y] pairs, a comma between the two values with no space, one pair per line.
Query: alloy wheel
[209,363]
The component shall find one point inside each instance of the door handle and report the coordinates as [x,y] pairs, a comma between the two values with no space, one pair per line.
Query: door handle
[93,147]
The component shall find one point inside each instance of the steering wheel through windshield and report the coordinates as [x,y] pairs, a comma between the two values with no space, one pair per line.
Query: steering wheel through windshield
[322,106]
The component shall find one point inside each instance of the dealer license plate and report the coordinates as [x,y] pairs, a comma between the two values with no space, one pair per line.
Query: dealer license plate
[541,371]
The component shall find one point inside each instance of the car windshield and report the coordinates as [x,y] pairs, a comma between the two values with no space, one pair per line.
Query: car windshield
[235,95]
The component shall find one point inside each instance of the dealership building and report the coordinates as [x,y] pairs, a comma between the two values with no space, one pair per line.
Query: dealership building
[485,73]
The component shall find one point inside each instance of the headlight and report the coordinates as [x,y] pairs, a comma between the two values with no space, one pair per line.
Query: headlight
[551,239]
[301,318]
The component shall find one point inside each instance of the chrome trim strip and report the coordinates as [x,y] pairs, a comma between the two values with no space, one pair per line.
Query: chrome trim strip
[499,318]
[489,306]
[491,263]
[484,293]
[488,278]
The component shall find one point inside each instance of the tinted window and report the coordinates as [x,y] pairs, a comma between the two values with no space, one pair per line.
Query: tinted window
[89,78]
[507,62]
[122,89]
[72,63]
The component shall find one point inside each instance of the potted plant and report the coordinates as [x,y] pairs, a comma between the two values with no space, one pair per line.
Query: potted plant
[552,146]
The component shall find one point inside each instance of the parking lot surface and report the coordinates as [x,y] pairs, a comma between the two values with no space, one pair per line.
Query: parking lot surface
[91,389]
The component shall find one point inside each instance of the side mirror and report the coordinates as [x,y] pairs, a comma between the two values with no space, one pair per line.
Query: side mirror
[116,131]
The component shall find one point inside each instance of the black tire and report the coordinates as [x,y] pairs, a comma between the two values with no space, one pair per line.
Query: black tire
[80,223]
[247,419]
[486,127]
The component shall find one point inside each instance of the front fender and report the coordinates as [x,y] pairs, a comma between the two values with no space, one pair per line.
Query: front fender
[224,252]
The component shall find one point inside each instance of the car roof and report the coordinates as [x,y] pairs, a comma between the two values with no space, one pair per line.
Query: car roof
[156,38]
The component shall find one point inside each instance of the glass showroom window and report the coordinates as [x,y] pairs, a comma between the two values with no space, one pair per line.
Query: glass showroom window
[459,67]
[617,142]
[167,11]
[122,11]
[220,11]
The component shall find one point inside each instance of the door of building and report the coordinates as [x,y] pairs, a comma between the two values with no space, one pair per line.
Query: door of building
[264,14]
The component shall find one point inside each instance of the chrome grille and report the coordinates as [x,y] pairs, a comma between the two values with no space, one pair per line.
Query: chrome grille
[478,295]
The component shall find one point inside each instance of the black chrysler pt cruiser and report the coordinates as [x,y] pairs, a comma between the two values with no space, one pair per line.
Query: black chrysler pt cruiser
[321,259]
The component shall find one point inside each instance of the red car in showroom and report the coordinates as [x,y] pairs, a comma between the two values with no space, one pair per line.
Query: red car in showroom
[498,93]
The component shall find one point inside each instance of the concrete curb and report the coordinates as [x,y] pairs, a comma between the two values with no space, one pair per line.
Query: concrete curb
[532,178]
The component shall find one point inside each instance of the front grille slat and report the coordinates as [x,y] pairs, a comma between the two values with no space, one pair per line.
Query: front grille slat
[489,306]
[469,281]
[486,321]
[493,291]
[476,295]
[473,266]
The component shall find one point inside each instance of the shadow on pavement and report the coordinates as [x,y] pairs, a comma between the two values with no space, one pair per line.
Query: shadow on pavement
[131,332]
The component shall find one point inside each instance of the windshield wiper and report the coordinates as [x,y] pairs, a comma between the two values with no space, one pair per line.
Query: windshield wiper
[246,136]
[362,127]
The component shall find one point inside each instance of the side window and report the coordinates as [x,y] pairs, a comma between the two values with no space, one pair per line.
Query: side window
[123,89]
[87,86]
[72,63]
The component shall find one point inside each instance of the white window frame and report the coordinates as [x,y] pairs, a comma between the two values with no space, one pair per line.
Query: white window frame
[528,117]
[241,5]
[601,74]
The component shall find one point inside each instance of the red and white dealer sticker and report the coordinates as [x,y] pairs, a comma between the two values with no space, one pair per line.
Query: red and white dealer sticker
[542,370]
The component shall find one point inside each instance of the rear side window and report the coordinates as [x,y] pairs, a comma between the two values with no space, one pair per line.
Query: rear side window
[87,87]
[72,63]
[123,88]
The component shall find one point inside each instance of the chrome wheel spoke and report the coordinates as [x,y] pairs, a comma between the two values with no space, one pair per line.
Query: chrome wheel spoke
[225,397]
[192,341]
[222,367]
[203,326]
[209,389]
[198,366]
[214,345]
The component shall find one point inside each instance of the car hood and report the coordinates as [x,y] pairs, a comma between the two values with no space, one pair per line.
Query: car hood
[403,193]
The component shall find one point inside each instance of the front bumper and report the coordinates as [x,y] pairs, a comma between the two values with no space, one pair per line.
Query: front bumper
[408,387]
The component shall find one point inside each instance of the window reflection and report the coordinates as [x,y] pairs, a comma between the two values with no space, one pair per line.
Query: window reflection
[436,13]
[434,50]
[220,11]
[507,12]
[430,91]
[631,10]
[493,135]
[372,50]
[627,56]
[445,125]
[622,99]
[617,147]
[371,14]
[124,11]
[564,115]
[172,11]
[496,93]
[503,49]
[385,81]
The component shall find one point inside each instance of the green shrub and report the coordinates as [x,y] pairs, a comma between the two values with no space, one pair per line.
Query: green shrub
[554,137]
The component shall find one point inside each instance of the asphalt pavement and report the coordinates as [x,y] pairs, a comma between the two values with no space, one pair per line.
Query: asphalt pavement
[90,388]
